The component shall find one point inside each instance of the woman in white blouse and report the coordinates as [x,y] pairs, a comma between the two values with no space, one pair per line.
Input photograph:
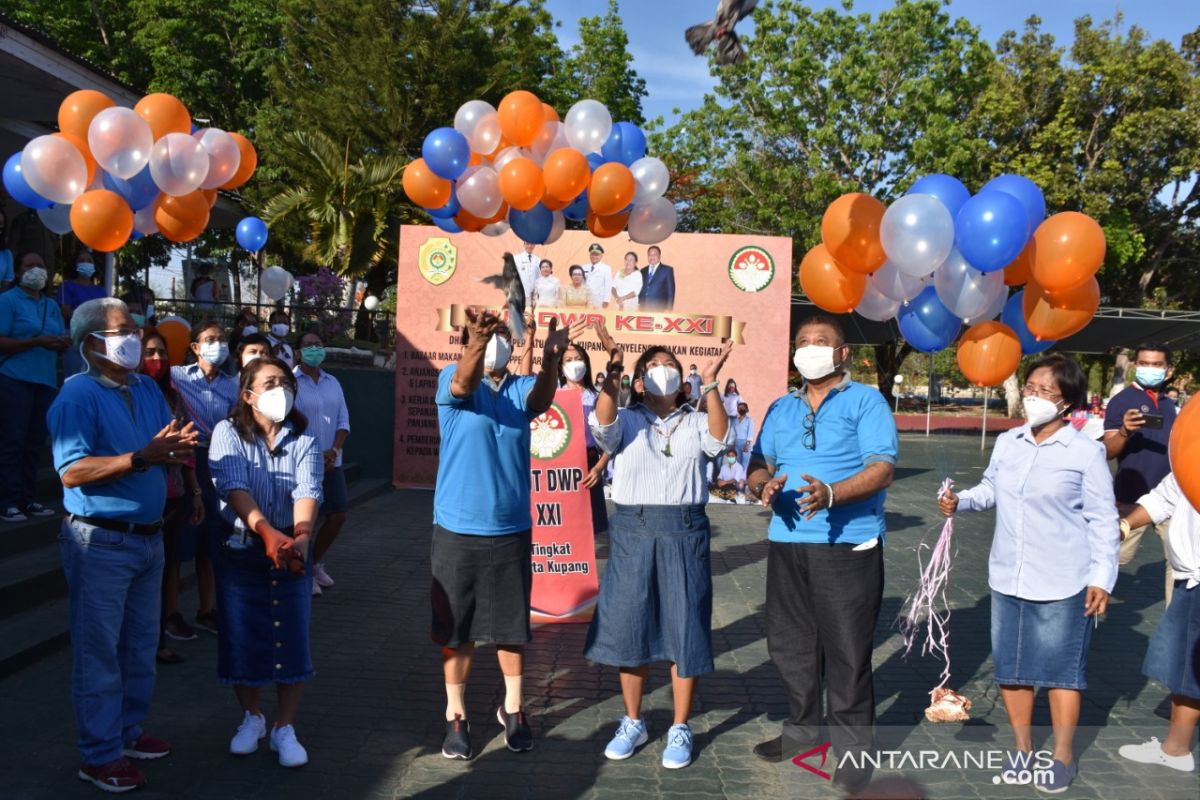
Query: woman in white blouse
[628,285]
[547,289]
[655,600]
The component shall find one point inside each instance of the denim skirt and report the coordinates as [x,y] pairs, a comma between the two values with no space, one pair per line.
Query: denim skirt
[1040,643]
[263,617]
[1173,657]
[655,599]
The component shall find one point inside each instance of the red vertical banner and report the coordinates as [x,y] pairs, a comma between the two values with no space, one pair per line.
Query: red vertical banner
[565,583]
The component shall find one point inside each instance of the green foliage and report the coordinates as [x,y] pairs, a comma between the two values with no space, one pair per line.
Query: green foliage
[600,67]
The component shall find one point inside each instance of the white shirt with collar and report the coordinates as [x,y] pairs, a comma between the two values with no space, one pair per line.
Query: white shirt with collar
[1166,501]
[600,282]
[527,269]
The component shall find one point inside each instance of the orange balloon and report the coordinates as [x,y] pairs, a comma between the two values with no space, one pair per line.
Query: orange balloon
[1184,452]
[988,353]
[246,166]
[469,222]
[210,195]
[612,188]
[165,114]
[181,219]
[609,226]
[850,229]
[423,187]
[549,114]
[829,284]
[82,146]
[102,220]
[567,173]
[553,203]
[1020,271]
[1070,248]
[521,183]
[77,110]
[520,116]
[476,159]
[1059,315]
[177,335]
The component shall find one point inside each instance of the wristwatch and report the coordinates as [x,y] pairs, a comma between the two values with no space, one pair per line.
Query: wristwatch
[140,464]
[1125,529]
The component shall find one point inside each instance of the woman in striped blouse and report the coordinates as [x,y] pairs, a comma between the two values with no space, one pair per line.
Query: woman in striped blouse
[655,599]
[268,473]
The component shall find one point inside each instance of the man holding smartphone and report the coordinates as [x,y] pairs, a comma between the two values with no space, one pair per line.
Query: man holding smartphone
[1137,428]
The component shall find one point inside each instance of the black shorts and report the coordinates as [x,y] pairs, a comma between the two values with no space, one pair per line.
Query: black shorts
[481,586]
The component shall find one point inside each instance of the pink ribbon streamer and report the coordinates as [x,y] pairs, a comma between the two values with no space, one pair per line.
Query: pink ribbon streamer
[922,607]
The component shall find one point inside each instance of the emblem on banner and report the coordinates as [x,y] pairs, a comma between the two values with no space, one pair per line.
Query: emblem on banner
[751,268]
[437,259]
[550,433]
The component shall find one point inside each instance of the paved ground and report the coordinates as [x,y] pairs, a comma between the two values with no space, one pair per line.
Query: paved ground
[371,720]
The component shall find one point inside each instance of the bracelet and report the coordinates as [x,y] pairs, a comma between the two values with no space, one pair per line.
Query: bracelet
[708,387]
[829,486]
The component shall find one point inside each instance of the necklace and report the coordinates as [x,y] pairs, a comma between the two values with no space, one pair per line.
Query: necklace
[666,450]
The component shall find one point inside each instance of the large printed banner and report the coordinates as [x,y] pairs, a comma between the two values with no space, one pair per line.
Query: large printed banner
[724,287]
[565,584]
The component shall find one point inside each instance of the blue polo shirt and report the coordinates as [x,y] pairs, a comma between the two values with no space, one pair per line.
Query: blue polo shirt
[1143,463]
[853,427]
[22,317]
[91,419]
[483,464]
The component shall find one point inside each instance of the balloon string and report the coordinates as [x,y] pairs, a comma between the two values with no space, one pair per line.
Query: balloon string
[930,596]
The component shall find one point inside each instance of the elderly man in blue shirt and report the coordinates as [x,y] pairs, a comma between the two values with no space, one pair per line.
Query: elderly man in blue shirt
[825,455]
[113,435]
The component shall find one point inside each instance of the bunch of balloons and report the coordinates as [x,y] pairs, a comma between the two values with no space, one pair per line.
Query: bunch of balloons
[939,257]
[113,173]
[520,166]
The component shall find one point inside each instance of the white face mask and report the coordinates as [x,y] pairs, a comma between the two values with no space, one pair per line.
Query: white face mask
[574,371]
[275,404]
[814,361]
[1039,411]
[34,278]
[280,329]
[248,357]
[497,353]
[214,353]
[124,351]
[661,380]
[85,269]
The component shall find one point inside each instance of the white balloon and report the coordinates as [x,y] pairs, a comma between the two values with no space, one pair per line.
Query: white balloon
[478,191]
[652,222]
[552,136]
[477,120]
[588,125]
[54,168]
[224,157]
[120,141]
[178,164]
[496,228]
[876,305]
[556,228]
[275,282]
[56,218]
[964,290]
[917,233]
[652,179]
[891,282]
[506,155]
[992,311]
[143,221]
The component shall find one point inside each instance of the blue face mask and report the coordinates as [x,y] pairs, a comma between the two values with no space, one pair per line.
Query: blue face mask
[85,269]
[139,320]
[1149,377]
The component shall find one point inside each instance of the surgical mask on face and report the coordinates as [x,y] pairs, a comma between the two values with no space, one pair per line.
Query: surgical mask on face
[313,355]
[139,320]
[85,269]
[280,329]
[1039,411]
[124,351]
[214,352]
[730,459]
[574,370]
[249,329]
[497,354]
[34,278]
[275,404]
[662,380]
[814,361]
[248,357]
[1149,377]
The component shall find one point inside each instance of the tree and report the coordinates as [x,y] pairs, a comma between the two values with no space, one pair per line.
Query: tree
[600,67]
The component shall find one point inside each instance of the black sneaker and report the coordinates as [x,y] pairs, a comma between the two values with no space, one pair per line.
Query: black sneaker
[179,630]
[517,735]
[770,750]
[207,621]
[457,743]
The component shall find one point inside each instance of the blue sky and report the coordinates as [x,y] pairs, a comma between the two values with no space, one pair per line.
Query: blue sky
[677,79]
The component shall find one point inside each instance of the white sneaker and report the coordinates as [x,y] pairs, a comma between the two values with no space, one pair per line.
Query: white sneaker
[1151,752]
[321,576]
[316,587]
[291,752]
[245,741]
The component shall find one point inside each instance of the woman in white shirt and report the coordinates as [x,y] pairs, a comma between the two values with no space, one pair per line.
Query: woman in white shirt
[731,398]
[628,285]
[547,289]
[655,600]
[576,374]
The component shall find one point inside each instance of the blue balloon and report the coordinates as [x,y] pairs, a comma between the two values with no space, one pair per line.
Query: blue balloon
[578,208]
[990,230]
[595,161]
[448,225]
[948,189]
[927,324]
[447,211]
[532,226]
[134,235]
[1014,317]
[626,144]
[252,234]
[139,191]
[446,152]
[18,189]
[1026,191]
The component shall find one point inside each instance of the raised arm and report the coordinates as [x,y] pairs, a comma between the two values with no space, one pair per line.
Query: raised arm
[718,419]
[557,342]
[607,399]
[480,328]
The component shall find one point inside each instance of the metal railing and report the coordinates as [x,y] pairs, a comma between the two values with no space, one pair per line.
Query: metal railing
[338,324]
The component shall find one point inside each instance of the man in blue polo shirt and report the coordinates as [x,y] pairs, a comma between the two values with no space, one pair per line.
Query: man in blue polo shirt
[824,457]
[112,437]
[1137,428]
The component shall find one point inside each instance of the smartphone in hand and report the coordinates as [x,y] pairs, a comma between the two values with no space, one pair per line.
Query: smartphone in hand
[1153,420]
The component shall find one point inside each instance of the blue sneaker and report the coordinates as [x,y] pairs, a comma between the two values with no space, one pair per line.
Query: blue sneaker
[631,734]
[679,747]
[1058,779]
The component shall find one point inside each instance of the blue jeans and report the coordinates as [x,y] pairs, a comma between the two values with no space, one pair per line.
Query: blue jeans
[22,437]
[114,581]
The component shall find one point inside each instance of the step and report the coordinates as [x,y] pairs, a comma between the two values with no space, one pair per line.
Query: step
[21,537]
[33,635]
[29,579]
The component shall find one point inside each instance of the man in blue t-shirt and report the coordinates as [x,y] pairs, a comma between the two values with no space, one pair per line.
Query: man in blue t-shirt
[482,532]
[1137,429]
[823,459]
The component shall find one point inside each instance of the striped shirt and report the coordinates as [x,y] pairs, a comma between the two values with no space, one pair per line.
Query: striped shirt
[206,402]
[276,482]
[645,475]
[324,406]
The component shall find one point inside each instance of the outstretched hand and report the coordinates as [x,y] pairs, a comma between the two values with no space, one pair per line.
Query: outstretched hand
[616,356]
[713,368]
[559,339]
[481,325]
